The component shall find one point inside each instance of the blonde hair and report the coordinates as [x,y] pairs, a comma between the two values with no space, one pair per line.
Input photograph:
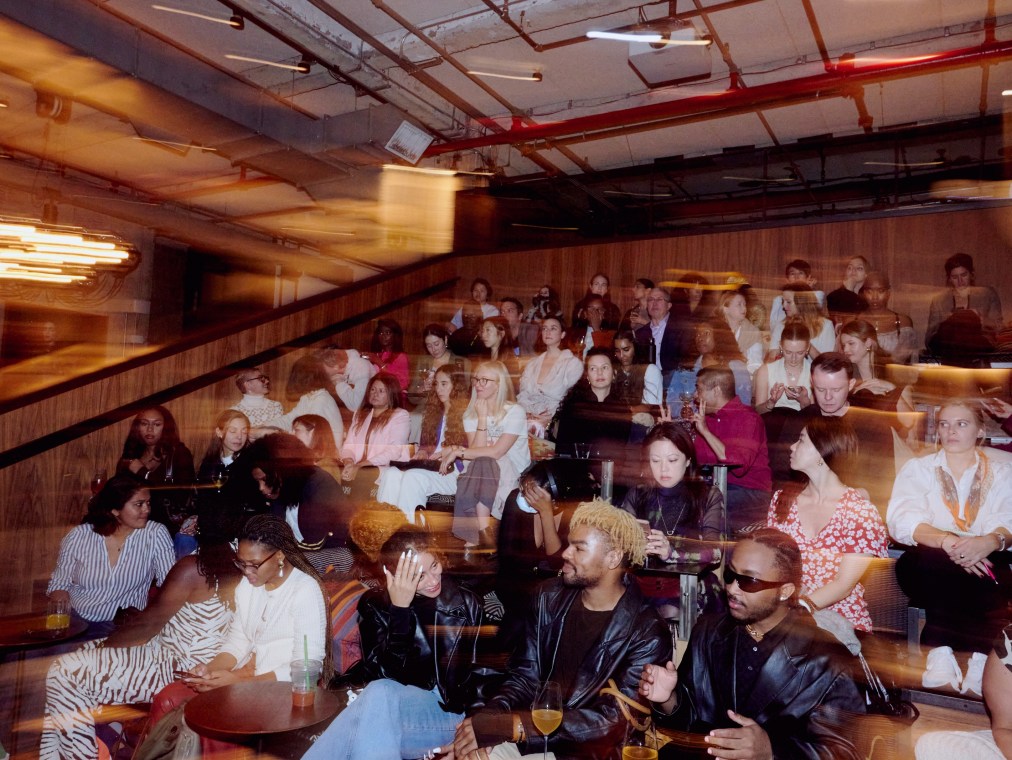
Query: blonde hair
[621,528]
[504,398]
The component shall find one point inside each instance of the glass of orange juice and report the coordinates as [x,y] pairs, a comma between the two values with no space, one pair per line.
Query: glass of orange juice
[546,710]
[57,614]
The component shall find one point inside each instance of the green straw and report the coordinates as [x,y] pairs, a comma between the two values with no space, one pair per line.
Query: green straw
[305,656]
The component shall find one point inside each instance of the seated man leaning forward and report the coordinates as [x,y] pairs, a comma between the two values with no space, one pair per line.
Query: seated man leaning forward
[761,680]
[585,628]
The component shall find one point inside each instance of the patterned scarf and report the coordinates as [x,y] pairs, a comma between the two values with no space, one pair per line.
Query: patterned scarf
[982,481]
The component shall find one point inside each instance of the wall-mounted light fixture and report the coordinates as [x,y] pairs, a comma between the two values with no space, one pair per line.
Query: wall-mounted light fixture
[33,251]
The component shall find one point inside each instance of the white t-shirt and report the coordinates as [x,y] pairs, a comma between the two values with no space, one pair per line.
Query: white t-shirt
[513,422]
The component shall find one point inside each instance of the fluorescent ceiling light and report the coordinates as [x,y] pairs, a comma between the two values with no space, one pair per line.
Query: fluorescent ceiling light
[699,42]
[1006,93]
[419,170]
[235,21]
[176,144]
[761,179]
[627,36]
[903,163]
[316,231]
[535,77]
[631,194]
[300,67]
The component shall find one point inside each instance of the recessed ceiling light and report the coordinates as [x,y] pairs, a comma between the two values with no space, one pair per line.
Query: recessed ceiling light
[302,66]
[235,21]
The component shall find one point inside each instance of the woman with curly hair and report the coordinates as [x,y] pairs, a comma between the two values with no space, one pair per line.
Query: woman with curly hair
[407,485]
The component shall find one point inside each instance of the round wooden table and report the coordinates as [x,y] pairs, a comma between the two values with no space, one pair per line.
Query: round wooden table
[251,710]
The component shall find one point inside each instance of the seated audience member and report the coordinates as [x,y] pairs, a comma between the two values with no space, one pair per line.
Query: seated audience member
[546,303]
[466,341]
[254,386]
[523,335]
[896,334]
[152,452]
[732,433]
[110,560]
[437,354]
[377,436]
[305,496]
[677,505]
[408,488]
[280,611]
[348,372]
[872,469]
[845,303]
[859,343]
[498,342]
[638,381]
[420,635]
[801,305]
[666,339]
[495,455]
[481,293]
[548,377]
[965,314]
[597,289]
[307,390]
[786,383]
[995,744]
[718,348]
[315,433]
[386,351]
[698,294]
[732,306]
[587,628]
[186,624]
[589,331]
[761,680]
[636,316]
[594,413]
[797,271]
[953,510]
[836,528]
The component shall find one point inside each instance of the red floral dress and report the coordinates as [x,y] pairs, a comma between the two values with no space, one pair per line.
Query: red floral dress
[856,527]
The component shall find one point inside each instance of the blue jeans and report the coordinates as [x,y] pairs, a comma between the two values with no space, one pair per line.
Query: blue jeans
[388,721]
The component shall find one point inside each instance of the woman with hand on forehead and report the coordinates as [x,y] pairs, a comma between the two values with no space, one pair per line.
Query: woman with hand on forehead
[419,651]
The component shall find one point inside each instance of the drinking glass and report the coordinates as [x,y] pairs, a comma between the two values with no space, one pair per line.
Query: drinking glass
[98,480]
[640,744]
[546,710]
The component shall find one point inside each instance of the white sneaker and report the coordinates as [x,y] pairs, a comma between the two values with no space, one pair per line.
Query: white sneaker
[972,682]
[942,669]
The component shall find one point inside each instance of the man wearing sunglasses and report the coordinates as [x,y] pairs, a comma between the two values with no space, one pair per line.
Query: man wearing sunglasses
[761,680]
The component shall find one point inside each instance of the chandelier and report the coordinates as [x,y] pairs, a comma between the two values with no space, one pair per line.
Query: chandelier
[33,251]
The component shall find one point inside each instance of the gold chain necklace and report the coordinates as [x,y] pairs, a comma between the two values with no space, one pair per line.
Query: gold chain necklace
[756,635]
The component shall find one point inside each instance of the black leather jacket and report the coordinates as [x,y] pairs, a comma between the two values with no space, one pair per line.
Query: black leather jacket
[592,725]
[395,646]
[803,696]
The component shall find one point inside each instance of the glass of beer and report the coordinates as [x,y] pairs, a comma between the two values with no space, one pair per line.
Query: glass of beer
[640,743]
[546,710]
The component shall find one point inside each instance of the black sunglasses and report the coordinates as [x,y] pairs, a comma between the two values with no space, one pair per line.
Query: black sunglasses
[747,583]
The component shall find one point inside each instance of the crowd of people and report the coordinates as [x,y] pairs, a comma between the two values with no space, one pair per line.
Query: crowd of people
[506,413]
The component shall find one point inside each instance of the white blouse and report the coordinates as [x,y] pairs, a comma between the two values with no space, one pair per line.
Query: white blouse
[544,398]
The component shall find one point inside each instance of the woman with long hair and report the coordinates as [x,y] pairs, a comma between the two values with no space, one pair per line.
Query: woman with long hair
[594,412]
[837,529]
[895,331]
[481,294]
[859,343]
[386,351]
[437,354]
[184,625]
[442,426]
[110,560]
[420,635]
[314,431]
[547,377]
[786,382]
[717,347]
[732,306]
[307,389]
[953,511]
[639,382]
[636,316]
[378,435]
[801,304]
[499,345]
[496,453]
[597,288]
[153,452]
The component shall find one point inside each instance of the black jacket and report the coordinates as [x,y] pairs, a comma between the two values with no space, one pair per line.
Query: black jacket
[675,349]
[802,697]
[592,725]
[396,646]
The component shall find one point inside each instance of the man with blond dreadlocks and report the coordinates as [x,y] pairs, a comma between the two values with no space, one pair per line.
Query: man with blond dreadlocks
[587,628]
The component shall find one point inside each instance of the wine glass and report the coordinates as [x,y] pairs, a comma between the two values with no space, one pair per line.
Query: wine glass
[640,743]
[98,480]
[546,710]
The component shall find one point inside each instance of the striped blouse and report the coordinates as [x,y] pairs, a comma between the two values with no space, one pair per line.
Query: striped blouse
[97,589]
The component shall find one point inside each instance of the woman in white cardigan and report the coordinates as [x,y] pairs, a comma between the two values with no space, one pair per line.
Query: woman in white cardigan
[306,387]
[548,377]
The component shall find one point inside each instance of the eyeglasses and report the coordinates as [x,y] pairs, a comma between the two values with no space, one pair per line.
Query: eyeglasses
[261,378]
[254,566]
[481,382]
[747,583]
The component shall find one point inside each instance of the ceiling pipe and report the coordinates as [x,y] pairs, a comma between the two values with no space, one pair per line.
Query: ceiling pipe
[834,83]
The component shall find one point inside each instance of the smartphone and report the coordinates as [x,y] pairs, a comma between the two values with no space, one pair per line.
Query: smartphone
[180,674]
[645,525]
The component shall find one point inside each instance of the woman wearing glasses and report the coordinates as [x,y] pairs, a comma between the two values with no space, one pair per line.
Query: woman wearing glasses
[837,529]
[280,611]
[496,454]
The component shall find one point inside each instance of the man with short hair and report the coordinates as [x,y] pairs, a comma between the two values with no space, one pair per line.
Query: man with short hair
[254,386]
[762,681]
[350,373]
[588,628]
[733,433]
[668,332]
[525,334]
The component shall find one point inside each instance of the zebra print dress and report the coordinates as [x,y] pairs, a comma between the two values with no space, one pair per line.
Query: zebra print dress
[81,681]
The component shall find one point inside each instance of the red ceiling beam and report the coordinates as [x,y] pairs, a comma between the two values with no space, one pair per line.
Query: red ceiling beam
[837,83]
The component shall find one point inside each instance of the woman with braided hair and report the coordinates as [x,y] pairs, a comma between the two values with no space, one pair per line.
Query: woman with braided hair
[280,608]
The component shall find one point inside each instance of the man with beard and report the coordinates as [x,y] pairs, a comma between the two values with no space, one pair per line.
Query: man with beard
[585,629]
[761,680]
